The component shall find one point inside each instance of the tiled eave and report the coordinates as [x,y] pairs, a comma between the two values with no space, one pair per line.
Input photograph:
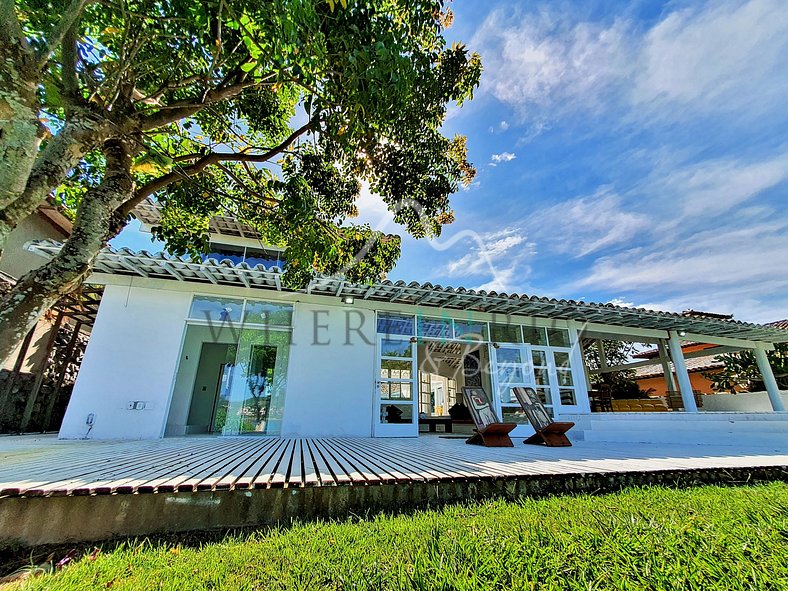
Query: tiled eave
[426,295]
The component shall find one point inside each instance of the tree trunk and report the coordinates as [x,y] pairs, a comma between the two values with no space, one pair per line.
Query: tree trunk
[21,131]
[39,290]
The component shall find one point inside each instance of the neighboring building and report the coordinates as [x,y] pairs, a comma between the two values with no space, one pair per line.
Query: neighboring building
[651,378]
[36,379]
[184,346]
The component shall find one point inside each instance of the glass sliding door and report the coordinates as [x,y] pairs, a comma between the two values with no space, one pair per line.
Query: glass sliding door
[257,383]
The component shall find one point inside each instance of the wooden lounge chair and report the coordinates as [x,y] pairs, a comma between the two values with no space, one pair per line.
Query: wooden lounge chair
[548,432]
[489,431]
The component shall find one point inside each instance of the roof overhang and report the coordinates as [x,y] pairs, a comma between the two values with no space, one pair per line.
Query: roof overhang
[425,295]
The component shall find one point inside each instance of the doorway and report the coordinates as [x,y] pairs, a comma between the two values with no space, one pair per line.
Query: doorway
[444,368]
[230,381]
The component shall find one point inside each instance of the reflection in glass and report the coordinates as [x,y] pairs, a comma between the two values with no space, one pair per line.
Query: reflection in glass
[565,378]
[514,414]
[268,313]
[390,368]
[258,383]
[395,348]
[542,377]
[216,308]
[534,335]
[470,330]
[561,359]
[540,358]
[507,355]
[558,337]
[510,374]
[395,324]
[437,328]
[567,396]
[396,413]
[506,333]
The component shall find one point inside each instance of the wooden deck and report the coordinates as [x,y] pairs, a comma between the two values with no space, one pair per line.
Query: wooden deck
[45,467]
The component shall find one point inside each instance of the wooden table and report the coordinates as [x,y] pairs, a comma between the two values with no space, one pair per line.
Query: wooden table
[433,423]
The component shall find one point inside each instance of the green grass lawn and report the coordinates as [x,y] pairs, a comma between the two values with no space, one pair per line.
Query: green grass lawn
[653,538]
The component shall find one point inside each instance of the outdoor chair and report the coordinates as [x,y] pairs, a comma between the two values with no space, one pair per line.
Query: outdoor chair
[489,431]
[548,432]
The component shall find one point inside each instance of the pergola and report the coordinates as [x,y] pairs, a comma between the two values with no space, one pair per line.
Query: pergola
[594,321]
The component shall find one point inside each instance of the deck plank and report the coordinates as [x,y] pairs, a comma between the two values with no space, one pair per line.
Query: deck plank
[47,467]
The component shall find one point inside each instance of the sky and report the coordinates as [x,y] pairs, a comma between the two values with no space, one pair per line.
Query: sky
[627,152]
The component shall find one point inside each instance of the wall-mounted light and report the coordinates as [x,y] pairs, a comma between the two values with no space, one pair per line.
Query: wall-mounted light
[682,333]
[348,299]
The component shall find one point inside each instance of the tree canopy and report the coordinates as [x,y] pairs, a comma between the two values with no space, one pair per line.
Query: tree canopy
[273,112]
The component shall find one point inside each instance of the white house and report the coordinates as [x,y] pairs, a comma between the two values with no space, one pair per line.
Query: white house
[218,346]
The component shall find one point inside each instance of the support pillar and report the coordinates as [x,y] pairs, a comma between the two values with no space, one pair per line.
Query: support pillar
[685,386]
[670,381]
[768,379]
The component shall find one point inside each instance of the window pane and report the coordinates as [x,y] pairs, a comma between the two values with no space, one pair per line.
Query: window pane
[544,396]
[435,327]
[395,324]
[506,333]
[558,337]
[561,359]
[506,395]
[514,414]
[395,369]
[510,374]
[534,335]
[470,330]
[216,308]
[540,359]
[396,413]
[507,355]
[542,377]
[395,348]
[567,396]
[268,313]
[395,391]
[565,378]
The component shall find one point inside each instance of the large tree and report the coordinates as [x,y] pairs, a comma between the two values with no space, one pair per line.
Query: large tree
[272,111]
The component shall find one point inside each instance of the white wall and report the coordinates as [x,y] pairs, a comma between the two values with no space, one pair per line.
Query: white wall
[744,402]
[330,383]
[132,355]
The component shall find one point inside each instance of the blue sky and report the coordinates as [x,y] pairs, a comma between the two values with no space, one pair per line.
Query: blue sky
[628,152]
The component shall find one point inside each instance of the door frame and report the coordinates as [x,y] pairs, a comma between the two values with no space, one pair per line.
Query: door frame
[379,428]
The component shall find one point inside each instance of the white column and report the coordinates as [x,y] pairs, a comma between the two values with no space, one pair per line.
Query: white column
[685,386]
[768,379]
[668,373]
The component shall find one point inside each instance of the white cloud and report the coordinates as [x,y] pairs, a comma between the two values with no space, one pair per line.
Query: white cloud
[724,55]
[500,255]
[503,125]
[503,157]
[715,257]
[585,225]
[534,60]
[719,57]
[714,187]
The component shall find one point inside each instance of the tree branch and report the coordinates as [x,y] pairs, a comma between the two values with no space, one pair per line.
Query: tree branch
[203,162]
[181,109]
[70,17]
